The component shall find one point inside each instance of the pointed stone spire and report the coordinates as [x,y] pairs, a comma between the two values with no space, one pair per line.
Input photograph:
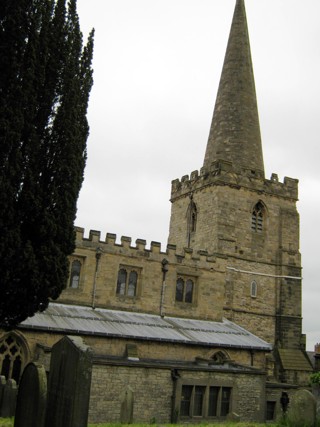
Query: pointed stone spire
[235,130]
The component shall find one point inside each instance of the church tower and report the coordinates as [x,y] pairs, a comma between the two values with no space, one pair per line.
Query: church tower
[231,211]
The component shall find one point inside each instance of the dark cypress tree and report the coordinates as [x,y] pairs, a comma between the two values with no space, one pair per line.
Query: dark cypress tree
[45,82]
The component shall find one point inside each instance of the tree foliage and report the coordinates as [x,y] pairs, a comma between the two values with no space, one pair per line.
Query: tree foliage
[315,378]
[45,82]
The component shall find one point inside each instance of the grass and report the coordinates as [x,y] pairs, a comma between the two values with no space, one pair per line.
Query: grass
[6,422]
[184,425]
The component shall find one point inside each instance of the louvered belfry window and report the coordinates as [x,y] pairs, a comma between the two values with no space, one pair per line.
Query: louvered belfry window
[257,218]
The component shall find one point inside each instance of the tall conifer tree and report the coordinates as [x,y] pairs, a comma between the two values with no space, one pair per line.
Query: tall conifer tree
[45,82]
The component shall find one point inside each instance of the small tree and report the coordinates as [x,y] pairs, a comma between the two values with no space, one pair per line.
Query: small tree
[315,378]
[45,82]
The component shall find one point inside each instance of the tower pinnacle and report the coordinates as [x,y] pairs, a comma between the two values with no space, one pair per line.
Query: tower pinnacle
[235,131]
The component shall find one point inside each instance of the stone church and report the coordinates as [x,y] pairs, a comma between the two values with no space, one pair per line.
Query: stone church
[211,325]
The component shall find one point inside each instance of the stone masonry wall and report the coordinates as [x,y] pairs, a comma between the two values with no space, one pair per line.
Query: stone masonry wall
[40,343]
[224,203]
[98,279]
[171,351]
[153,390]
[224,213]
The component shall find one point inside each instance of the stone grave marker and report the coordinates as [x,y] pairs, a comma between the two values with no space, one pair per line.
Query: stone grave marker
[302,409]
[233,417]
[69,383]
[32,397]
[126,411]
[3,382]
[9,398]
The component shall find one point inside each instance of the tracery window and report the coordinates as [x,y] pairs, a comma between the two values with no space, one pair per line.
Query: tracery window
[127,282]
[75,272]
[184,289]
[257,218]
[219,357]
[12,357]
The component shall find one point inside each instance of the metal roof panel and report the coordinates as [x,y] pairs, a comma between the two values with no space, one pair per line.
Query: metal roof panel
[85,320]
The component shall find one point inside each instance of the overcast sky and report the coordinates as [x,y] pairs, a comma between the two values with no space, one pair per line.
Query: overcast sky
[157,65]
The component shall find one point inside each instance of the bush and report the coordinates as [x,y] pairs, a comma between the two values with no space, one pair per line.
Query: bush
[6,422]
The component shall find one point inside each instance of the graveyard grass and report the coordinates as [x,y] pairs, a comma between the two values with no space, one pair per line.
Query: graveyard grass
[6,422]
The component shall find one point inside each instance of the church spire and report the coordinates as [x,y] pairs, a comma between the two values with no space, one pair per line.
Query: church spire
[235,131]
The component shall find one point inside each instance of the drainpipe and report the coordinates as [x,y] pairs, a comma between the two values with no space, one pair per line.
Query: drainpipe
[164,270]
[98,256]
[175,375]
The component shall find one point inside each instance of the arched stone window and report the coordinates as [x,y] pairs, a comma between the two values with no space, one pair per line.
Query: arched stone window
[75,274]
[192,216]
[132,285]
[13,356]
[122,280]
[191,219]
[179,289]
[127,282]
[257,218]
[254,289]
[189,290]
[184,289]
[219,357]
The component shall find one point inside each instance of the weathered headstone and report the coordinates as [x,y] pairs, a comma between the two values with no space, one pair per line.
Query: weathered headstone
[126,412]
[32,397]
[302,409]
[9,398]
[3,382]
[233,417]
[316,393]
[69,384]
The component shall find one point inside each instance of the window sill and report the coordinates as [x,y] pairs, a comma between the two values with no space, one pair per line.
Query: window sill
[181,304]
[127,298]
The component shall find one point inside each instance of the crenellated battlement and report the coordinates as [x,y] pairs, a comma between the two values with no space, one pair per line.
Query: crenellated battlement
[222,173]
[125,247]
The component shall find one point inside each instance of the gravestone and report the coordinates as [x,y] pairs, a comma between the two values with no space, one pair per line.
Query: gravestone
[32,397]
[126,412]
[69,383]
[9,398]
[316,393]
[3,382]
[302,409]
[233,417]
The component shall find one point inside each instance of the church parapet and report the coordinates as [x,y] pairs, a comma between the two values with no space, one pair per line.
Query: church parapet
[110,245]
[94,235]
[222,172]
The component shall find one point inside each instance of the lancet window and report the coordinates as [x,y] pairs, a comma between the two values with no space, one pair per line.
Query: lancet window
[127,282]
[257,218]
[191,219]
[75,272]
[253,289]
[184,290]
